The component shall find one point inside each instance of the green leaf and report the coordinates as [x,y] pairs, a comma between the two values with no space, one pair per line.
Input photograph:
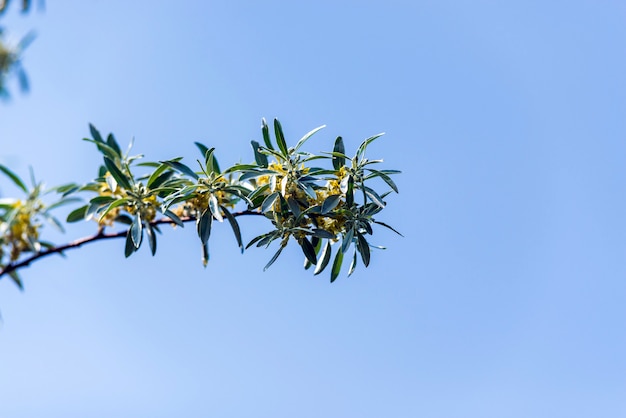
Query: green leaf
[347,240]
[215,208]
[387,226]
[112,206]
[151,238]
[323,259]
[64,201]
[352,264]
[330,203]
[336,266]
[136,231]
[309,250]
[374,196]
[274,258]
[268,203]
[16,180]
[181,168]
[203,149]
[350,192]
[159,176]
[174,218]
[235,226]
[129,246]
[386,179]
[317,244]
[307,136]
[260,158]
[294,207]
[117,174]
[280,138]
[339,159]
[95,134]
[111,142]
[77,214]
[322,233]
[104,148]
[364,144]
[16,279]
[204,225]
[266,134]
[363,248]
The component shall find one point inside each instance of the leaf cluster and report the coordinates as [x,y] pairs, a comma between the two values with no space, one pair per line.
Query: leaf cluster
[322,209]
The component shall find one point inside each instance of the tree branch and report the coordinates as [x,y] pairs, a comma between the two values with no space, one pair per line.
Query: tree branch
[101,235]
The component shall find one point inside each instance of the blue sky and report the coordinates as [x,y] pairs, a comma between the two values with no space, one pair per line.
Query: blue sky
[505,298]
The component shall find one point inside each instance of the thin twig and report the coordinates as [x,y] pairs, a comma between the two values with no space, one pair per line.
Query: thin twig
[97,237]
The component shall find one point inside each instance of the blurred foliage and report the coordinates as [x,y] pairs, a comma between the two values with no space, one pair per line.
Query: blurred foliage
[11,55]
[325,210]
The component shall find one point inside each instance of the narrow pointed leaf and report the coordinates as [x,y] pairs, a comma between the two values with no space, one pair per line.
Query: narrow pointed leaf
[235,226]
[266,134]
[339,160]
[111,142]
[352,264]
[129,246]
[136,231]
[95,134]
[323,259]
[117,174]
[364,249]
[204,225]
[14,178]
[215,207]
[308,250]
[77,214]
[260,158]
[174,218]
[273,258]
[182,168]
[336,266]
[280,138]
[268,203]
[330,203]
[151,238]
[307,136]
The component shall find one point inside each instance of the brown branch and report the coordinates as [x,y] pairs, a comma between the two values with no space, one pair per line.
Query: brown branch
[97,237]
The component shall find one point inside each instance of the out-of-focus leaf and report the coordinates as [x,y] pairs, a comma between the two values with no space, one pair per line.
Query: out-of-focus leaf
[16,279]
[14,178]
[294,207]
[95,134]
[111,142]
[174,218]
[77,214]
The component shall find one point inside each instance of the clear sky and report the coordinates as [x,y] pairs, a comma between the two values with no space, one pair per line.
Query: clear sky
[506,296]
